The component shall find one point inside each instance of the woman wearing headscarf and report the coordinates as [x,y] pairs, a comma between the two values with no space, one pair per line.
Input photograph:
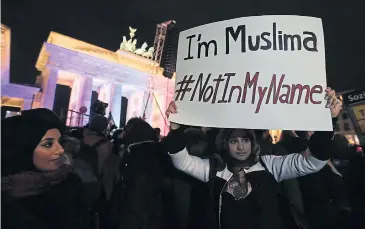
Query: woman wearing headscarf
[38,189]
[243,183]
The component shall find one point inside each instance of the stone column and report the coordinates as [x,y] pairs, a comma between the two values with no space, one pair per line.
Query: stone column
[87,91]
[135,104]
[27,104]
[80,96]
[127,90]
[5,58]
[105,95]
[49,88]
[116,103]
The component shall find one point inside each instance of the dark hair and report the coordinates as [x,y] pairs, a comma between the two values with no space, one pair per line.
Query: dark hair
[302,134]
[138,130]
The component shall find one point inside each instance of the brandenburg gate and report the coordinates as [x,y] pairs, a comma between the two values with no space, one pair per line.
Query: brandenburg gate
[128,72]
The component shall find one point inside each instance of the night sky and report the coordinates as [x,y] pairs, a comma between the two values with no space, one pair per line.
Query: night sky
[104,22]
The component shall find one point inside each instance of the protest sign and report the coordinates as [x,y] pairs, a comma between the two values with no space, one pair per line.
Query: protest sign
[264,72]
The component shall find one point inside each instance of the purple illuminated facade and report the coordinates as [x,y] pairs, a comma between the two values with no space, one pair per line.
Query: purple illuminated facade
[13,95]
[85,68]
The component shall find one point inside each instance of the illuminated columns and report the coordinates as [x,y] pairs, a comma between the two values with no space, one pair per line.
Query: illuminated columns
[135,104]
[49,88]
[87,91]
[27,104]
[5,54]
[80,96]
[105,95]
[116,103]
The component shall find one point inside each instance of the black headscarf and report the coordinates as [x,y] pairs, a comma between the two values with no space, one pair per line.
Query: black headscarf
[222,146]
[21,134]
[138,130]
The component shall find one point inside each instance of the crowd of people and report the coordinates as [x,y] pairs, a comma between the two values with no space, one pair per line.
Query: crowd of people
[193,178]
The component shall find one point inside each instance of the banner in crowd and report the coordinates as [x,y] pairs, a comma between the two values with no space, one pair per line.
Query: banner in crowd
[355,102]
[264,72]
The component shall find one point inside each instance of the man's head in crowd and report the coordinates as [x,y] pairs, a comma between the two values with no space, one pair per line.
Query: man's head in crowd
[98,124]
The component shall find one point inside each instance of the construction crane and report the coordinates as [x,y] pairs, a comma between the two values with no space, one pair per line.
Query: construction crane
[161,31]
[159,44]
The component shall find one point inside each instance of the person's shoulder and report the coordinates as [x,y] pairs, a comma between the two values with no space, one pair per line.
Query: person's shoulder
[145,149]
[72,181]
[151,145]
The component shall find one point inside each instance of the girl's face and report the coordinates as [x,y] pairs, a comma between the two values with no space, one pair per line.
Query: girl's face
[239,145]
[48,154]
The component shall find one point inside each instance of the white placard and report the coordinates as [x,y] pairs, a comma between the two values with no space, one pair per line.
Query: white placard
[264,72]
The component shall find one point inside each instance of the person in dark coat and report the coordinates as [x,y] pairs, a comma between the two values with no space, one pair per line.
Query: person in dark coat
[138,198]
[190,194]
[202,144]
[38,190]
[289,194]
[356,184]
[324,205]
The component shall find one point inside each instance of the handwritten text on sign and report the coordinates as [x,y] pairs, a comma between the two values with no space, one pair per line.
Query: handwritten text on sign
[264,72]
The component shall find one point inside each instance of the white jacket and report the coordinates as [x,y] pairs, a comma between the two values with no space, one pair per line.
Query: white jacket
[281,167]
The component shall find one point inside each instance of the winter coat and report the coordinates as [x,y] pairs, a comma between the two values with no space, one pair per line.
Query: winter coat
[138,198]
[322,203]
[59,207]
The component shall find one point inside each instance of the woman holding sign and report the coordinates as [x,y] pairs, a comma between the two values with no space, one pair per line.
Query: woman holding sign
[243,183]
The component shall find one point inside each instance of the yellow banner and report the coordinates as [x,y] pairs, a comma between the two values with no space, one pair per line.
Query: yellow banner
[359,113]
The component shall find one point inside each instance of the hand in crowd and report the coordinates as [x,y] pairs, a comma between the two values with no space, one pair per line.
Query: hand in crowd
[172,109]
[333,102]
